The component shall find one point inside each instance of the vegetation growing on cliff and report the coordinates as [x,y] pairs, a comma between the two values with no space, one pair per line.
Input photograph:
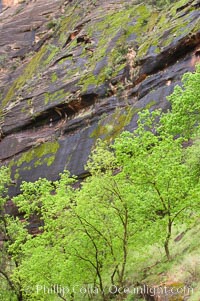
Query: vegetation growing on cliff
[142,190]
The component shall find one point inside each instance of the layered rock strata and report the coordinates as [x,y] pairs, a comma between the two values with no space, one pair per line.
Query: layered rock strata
[74,71]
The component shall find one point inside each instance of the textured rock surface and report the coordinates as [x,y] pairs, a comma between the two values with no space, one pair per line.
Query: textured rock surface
[71,72]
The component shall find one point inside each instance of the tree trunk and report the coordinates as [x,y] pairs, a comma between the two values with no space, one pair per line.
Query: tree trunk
[167,250]
[20,297]
[166,245]
[125,243]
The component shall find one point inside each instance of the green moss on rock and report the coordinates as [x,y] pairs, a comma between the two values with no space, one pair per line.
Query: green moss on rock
[57,95]
[52,50]
[166,27]
[54,77]
[29,71]
[43,154]
[109,127]
[114,30]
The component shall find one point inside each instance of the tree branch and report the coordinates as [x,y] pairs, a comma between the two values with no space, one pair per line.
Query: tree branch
[8,280]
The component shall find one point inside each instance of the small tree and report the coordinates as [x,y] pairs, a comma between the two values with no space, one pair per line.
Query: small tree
[13,235]
[184,118]
[154,164]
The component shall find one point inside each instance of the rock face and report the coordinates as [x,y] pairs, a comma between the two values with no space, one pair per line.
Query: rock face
[74,71]
[10,2]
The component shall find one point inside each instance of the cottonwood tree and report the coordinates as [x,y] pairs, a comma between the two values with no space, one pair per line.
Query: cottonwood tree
[47,270]
[13,235]
[86,235]
[105,210]
[183,119]
[153,161]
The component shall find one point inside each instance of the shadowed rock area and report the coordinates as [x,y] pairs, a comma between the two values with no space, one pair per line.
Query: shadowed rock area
[74,71]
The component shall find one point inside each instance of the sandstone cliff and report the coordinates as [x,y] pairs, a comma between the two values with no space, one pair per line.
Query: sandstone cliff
[73,71]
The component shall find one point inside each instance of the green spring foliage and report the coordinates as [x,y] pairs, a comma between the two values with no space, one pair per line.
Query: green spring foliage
[141,190]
